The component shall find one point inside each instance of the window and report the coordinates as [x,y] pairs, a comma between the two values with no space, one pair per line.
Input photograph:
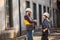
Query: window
[34,11]
[27,4]
[48,9]
[58,4]
[44,9]
[40,14]
[9,17]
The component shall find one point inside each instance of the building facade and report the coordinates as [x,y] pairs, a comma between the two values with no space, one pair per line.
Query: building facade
[58,13]
[12,12]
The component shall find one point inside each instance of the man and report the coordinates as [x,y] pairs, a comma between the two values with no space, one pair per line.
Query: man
[29,23]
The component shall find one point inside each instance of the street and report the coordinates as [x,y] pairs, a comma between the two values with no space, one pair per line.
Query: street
[53,36]
[36,36]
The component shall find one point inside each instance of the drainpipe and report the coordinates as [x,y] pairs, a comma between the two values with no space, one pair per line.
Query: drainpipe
[19,18]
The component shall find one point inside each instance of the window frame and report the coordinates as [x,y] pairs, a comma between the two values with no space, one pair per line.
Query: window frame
[40,14]
[27,4]
[34,11]
[44,9]
[9,13]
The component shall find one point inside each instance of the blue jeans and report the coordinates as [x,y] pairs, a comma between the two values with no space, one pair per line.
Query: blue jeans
[29,34]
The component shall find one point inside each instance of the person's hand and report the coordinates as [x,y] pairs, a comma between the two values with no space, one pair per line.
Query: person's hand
[45,29]
[35,20]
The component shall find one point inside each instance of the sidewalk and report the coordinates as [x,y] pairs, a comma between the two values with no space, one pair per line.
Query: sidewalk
[36,36]
[50,38]
[53,36]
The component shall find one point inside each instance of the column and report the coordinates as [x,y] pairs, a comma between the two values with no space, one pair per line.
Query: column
[31,6]
[2,15]
[22,9]
[38,15]
[42,12]
[15,15]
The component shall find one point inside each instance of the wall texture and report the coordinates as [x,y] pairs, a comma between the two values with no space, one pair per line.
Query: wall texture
[2,15]
[15,5]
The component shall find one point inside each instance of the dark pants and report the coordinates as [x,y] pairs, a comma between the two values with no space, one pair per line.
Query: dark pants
[45,35]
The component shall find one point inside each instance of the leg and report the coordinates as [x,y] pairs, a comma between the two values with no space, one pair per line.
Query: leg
[29,35]
[44,35]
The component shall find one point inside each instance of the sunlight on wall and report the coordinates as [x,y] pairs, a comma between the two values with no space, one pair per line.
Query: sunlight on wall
[2,15]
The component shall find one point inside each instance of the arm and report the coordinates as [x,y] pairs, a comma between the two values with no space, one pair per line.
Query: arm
[45,25]
[31,21]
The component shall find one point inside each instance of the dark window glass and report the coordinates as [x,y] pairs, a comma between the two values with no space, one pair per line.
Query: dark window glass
[40,14]
[9,17]
[34,11]
[58,4]
[48,9]
[27,4]
[44,9]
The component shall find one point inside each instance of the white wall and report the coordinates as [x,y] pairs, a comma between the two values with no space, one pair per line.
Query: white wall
[15,15]
[2,15]
[22,7]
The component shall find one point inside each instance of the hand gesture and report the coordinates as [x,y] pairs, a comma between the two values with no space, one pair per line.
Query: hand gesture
[35,20]
[45,29]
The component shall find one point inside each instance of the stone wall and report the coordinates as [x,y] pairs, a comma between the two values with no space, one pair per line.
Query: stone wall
[2,15]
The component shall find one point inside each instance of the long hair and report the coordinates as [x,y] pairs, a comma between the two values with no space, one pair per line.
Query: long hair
[48,19]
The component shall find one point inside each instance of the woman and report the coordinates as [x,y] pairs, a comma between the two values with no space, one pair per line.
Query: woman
[29,23]
[45,26]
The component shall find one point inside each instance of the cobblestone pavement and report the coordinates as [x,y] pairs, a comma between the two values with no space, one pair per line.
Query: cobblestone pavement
[50,38]
[37,36]
[53,36]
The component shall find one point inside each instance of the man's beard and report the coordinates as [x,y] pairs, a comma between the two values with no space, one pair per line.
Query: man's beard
[29,14]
